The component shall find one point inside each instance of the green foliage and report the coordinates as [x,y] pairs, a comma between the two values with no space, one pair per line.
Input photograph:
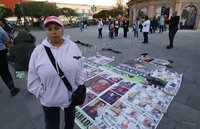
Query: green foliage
[5,12]
[101,14]
[68,13]
[119,9]
[36,9]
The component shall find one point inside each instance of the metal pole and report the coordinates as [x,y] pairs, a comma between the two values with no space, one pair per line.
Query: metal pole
[26,24]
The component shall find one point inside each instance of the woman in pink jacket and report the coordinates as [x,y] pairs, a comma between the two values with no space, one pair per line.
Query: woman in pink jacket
[44,80]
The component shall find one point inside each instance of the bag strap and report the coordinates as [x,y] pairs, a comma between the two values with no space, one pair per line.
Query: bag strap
[61,74]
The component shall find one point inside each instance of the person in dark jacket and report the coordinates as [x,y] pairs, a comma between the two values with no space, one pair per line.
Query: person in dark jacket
[21,51]
[173,28]
[4,71]
[125,25]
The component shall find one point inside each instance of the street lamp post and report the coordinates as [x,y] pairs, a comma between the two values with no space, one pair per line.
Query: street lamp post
[93,9]
[26,24]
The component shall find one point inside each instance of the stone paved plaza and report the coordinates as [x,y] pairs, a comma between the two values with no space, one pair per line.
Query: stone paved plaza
[25,112]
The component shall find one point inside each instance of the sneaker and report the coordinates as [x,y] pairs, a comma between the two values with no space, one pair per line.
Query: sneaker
[14,92]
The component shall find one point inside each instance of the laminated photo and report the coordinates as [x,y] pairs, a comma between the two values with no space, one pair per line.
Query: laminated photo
[89,97]
[105,74]
[119,89]
[98,84]
[91,71]
[99,59]
[95,108]
[154,114]
[110,97]
[141,105]
[100,125]
[127,84]
[133,113]
[146,122]
[115,79]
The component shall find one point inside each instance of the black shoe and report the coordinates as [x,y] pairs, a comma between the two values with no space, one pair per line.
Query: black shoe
[169,47]
[144,42]
[14,92]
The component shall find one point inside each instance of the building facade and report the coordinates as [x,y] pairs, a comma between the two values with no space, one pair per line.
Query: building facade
[188,10]
[83,10]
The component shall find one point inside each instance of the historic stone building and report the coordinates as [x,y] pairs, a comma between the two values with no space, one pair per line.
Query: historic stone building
[188,10]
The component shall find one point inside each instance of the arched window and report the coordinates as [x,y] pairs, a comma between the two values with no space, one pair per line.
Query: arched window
[142,13]
[188,17]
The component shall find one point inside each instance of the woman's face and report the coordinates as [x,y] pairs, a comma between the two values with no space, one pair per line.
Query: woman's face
[54,32]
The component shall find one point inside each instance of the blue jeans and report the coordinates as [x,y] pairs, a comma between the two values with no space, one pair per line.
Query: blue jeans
[135,33]
[52,117]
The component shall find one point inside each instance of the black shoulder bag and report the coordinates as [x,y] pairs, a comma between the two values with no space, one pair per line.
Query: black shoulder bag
[78,97]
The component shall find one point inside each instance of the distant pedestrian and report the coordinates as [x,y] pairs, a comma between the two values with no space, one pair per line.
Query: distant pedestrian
[9,29]
[161,24]
[125,24]
[112,29]
[100,27]
[173,28]
[116,25]
[136,28]
[145,29]
[4,71]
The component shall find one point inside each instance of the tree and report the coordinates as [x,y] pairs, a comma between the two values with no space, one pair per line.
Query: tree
[36,9]
[120,4]
[68,13]
[101,14]
[5,12]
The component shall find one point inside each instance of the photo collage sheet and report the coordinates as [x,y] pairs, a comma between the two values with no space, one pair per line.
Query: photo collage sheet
[120,97]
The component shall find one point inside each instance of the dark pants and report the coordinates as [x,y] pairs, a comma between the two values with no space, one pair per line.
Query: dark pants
[4,71]
[161,29]
[100,33]
[172,33]
[145,34]
[52,117]
[125,31]
[116,32]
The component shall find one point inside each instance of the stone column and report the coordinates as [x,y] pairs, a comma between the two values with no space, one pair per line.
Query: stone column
[151,11]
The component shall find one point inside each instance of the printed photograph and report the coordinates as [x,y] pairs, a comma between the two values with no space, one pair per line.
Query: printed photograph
[146,122]
[98,84]
[95,109]
[110,97]
[119,89]
[89,97]
[90,71]
[100,59]
[127,84]
[105,74]
[115,78]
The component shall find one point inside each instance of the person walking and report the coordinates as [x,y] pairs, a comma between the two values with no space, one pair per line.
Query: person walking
[100,27]
[44,80]
[4,71]
[136,28]
[145,29]
[173,28]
